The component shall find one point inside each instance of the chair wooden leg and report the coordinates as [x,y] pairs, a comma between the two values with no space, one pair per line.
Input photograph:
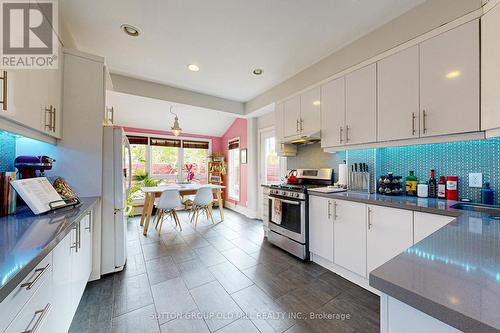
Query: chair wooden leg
[194,214]
[159,214]
[176,217]
[161,224]
[211,214]
[197,215]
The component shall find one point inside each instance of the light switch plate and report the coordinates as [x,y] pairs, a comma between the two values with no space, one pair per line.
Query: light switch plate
[475,180]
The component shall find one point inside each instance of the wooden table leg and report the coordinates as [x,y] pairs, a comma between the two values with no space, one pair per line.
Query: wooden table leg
[221,208]
[151,201]
[144,209]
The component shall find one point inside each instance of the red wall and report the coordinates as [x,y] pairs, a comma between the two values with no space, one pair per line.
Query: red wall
[237,130]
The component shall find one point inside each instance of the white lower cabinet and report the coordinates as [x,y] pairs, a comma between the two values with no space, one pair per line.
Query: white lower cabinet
[349,239]
[390,232]
[50,306]
[426,224]
[321,227]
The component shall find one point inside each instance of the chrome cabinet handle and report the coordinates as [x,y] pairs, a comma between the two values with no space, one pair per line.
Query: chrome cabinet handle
[347,134]
[424,113]
[40,271]
[413,117]
[370,224]
[329,209]
[77,244]
[335,216]
[301,125]
[297,126]
[43,313]
[53,118]
[4,96]
[89,228]
[48,124]
[112,114]
[341,130]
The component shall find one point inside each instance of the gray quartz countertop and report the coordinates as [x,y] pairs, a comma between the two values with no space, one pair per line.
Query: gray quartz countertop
[25,239]
[452,275]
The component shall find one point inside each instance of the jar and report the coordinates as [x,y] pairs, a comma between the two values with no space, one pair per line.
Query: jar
[423,190]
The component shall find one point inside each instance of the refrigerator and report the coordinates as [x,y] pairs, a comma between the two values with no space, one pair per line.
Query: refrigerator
[116,180]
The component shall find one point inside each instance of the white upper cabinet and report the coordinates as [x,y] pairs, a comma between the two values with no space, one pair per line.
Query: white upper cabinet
[490,69]
[398,96]
[291,118]
[310,116]
[321,227]
[361,105]
[278,123]
[333,113]
[390,232]
[449,82]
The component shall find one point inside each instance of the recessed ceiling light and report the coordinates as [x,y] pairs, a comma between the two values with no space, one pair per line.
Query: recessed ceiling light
[258,71]
[130,30]
[193,67]
[316,103]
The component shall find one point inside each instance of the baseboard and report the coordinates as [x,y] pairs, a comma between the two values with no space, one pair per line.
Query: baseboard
[242,210]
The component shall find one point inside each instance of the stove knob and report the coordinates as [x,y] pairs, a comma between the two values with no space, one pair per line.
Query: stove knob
[297,195]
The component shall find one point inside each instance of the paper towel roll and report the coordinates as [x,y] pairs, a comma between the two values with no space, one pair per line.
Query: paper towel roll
[342,174]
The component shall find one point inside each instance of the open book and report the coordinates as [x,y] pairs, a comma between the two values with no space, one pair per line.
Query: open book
[38,193]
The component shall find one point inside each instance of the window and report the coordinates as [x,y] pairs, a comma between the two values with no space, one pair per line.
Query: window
[233,173]
[167,159]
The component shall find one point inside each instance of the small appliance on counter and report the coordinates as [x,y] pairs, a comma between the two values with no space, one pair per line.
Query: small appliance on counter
[292,177]
[28,166]
[390,185]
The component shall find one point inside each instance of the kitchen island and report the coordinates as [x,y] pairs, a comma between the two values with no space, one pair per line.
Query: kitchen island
[449,281]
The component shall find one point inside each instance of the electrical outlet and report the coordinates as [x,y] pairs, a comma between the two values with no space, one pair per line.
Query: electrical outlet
[475,180]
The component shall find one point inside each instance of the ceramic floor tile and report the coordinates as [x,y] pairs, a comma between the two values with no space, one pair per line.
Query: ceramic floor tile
[230,277]
[172,298]
[140,320]
[161,269]
[131,294]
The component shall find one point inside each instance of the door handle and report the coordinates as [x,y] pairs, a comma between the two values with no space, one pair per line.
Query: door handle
[369,218]
[43,313]
[295,203]
[49,111]
[335,211]
[341,134]
[424,114]
[53,118]
[4,94]
[40,271]
[297,125]
[347,134]
[301,125]
[329,209]
[413,117]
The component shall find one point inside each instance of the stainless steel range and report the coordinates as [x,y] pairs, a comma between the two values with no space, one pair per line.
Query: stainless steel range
[289,211]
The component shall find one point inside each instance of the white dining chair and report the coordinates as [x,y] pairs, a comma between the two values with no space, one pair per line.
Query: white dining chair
[202,201]
[168,202]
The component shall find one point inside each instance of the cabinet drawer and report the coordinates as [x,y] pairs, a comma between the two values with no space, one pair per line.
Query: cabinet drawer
[37,314]
[11,305]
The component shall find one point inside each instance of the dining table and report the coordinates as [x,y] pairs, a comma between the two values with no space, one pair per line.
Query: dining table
[151,193]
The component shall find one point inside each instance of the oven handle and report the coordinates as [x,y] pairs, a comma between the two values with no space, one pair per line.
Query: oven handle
[296,203]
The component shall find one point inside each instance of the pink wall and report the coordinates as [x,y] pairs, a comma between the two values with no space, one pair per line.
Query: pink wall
[237,130]
[216,141]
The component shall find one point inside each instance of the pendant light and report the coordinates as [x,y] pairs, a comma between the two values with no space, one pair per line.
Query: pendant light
[176,129]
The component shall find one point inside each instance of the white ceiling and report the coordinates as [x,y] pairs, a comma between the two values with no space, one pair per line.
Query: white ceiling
[226,38]
[148,113]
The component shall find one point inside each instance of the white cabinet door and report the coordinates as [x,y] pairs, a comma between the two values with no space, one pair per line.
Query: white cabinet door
[54,100]
[398,96]
[62,283]
[86,232]
[350,236]
[490,69]
[361,105]
[291,117]
[278,124]
[26,97]
[426,224]
[390,232]
[449,81]
[310,116]
[333,113]
[321,227]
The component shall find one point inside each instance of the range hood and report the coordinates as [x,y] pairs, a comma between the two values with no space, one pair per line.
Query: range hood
[303,139]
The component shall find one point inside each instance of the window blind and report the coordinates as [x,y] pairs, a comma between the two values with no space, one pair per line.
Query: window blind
[233,144]
[137,140]
[194,144]
[165,142]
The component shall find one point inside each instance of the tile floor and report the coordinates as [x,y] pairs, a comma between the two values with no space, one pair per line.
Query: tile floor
[220,278]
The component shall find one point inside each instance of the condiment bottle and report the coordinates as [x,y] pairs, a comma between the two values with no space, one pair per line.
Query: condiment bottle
[411,184]
[441,188]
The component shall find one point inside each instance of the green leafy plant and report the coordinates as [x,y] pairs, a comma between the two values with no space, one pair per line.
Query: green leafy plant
[141,179]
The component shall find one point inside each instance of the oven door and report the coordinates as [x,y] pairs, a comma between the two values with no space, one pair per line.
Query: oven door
[293,218]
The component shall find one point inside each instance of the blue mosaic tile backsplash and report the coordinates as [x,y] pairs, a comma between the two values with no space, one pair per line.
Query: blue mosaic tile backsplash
[7,151]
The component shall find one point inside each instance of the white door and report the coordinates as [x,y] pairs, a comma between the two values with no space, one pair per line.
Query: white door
[361,105]
[398,96]
[291,115]
[321,227]
[449,81]
[426,224]
[333,113]
[272,166]
[490,69]
[310,116]
[350,236]
[390,232]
